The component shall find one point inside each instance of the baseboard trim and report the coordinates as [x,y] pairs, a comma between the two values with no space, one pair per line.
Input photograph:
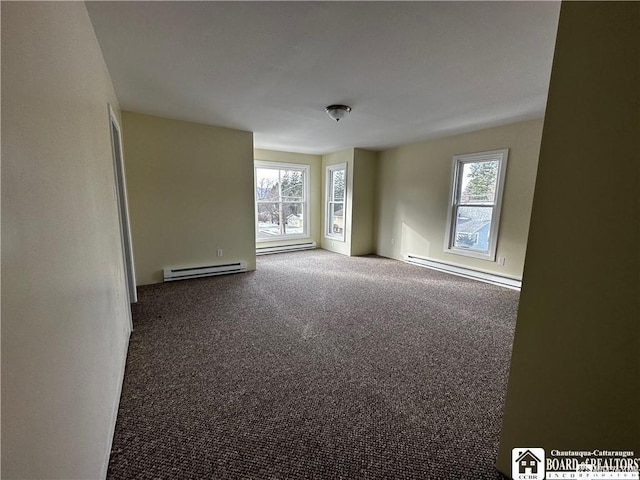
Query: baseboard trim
[500,280]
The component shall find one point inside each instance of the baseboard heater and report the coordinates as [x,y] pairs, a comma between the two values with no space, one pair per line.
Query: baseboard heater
[172,274]
[503,281]
[285,248]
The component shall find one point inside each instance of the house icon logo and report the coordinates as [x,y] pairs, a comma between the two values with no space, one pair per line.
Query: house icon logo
[527,464]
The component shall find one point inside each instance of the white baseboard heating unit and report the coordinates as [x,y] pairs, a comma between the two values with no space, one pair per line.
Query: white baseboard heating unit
[171,274]
[286,248]
[495,279]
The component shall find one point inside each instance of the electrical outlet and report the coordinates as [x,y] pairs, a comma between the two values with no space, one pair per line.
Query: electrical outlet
[501,260]
[219,252]
[393,241]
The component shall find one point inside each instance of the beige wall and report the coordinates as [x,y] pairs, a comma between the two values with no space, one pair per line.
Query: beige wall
[365,166]
[190,193]
[575,371]
[414,184]
[315,191]
[65,312]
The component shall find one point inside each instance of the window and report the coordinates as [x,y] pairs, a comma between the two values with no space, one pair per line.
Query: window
[336,197]
[281,201]
[474,211]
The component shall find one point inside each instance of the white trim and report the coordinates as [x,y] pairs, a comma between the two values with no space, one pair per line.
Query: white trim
[306,169]
[501,280]
[502,157]
[328,194]
[123,207]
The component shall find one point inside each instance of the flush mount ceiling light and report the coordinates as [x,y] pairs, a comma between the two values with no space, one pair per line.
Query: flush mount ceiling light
[337,112]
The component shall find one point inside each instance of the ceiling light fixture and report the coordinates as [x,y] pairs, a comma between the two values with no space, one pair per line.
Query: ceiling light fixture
[337,112]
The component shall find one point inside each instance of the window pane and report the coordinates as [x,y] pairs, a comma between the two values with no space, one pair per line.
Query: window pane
[337,184]
[293,218]
[292,185]
[267,184]
[268,220]
[473,226]
[336,225]
[479,182]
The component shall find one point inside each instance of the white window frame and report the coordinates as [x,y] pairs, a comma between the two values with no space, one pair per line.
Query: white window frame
[305,201]
[328,233]
[459,161]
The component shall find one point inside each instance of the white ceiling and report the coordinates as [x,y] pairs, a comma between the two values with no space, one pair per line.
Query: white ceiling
[410,70]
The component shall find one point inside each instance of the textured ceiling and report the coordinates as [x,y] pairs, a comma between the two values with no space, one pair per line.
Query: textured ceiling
[410,70]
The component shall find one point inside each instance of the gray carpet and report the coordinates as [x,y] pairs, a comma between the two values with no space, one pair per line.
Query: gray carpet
[316,366]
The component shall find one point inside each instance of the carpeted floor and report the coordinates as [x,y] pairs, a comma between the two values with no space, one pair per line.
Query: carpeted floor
[316,366]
